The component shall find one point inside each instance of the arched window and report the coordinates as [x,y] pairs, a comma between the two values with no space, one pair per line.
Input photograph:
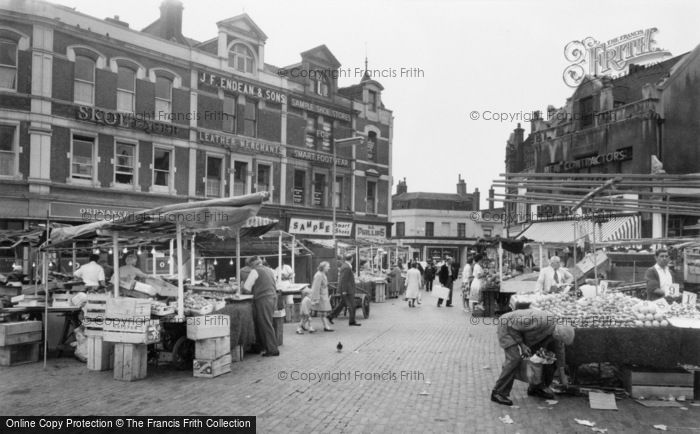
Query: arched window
[164,97]
[241,58]
[126,89]
[371,145]
[8,64]
[84,81]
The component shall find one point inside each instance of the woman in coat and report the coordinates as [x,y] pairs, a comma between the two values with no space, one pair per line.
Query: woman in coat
[320,300]
[413,284]
[475,289]
[396,285]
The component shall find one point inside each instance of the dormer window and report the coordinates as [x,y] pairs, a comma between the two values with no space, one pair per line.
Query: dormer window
[372,100]
[241,58]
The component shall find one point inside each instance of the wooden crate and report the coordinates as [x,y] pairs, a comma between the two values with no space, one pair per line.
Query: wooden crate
[208,326]
[211,368]
[212,348]
[13,333]
[132,331]
[128,308]
[94,314]
[659,384]
[278,324]
[19,354]
[379,292]
[130,361]
[100,355]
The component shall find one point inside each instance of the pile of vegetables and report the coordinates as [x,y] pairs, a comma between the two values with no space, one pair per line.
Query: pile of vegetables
[608,310]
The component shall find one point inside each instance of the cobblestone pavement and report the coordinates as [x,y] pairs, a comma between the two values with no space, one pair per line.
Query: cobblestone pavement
[405,370]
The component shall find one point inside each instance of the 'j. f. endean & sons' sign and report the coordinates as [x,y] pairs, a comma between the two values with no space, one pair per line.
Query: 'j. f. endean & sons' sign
[319,227]
[243,87]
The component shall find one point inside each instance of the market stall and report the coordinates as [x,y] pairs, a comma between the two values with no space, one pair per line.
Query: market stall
[155,228]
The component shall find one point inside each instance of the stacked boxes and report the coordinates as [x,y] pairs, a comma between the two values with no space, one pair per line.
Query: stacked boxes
[20,342]
[128,324]
[379,291]
[212,348]
[100,354]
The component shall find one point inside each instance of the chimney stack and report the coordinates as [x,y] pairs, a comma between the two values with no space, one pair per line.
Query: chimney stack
[476,198]
[401,187]
[492,194]
[171,17]
[461,186]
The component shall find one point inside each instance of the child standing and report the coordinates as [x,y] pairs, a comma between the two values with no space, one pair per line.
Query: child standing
[305,313]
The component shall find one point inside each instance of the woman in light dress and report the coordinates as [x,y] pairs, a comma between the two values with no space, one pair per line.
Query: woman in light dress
[320,301]
[475,289]
[413,284]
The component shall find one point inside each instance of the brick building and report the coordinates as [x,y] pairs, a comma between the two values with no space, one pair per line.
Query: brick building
[97,118]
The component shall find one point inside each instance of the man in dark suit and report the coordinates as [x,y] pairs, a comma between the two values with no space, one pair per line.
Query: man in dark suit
[659,277]
[346,286]
[447,275]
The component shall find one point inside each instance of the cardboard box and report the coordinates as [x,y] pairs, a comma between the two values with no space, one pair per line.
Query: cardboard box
[208,326]
[132,331]
[211,368]
[212,348]
[124,307]
[13,333]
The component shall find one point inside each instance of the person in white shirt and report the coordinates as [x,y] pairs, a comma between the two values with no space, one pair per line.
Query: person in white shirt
[92,273]
[554,278]
[659,277]
[284,272]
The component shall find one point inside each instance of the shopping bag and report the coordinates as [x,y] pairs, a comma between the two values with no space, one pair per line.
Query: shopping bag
[441,292]
[529,372]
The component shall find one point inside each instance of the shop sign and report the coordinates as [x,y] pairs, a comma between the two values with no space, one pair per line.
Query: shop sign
[243,87]
[319,227]
[370,232]
[240,144]
[441,252]
[318,157]
[89,212]
[325,111]
[584,163]
[125,120]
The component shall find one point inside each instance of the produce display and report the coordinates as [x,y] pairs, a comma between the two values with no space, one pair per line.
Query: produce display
[611,310]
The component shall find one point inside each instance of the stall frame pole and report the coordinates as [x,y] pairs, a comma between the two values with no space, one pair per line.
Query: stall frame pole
[115,262]
[192,260]
[279,257]
[294,249]
[74,258]
[45,281]
[180,285]
[238,259]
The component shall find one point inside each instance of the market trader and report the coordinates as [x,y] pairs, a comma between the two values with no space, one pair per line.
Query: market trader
[128,272]
[261,282]
[92,273]
[523,332]
[659,277]
[553,278]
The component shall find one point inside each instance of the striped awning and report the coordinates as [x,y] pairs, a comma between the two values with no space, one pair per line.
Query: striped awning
[565,232]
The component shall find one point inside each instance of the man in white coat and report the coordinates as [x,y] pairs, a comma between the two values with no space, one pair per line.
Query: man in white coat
[554,277]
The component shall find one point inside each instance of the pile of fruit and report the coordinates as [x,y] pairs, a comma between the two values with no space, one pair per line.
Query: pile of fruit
[195,303]
[677,310]
[609,310]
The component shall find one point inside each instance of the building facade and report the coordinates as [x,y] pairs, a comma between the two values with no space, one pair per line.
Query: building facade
[619,125]
[98,119]
[435,225]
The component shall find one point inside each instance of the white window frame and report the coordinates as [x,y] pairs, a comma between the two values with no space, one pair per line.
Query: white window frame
[169,101]
[367,202]
[95,159]
[222,178]
[232,55]
[76,79]
[248,177]
[15,150]
[136,166]
[15,66]
[129,92]
[272,177]
[170,188]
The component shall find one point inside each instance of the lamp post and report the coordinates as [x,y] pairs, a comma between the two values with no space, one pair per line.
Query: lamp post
[352,140]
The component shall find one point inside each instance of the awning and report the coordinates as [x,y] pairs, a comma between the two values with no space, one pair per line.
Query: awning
[564,232]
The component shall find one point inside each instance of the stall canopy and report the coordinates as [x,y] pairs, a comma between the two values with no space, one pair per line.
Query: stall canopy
[217,218]
[566,231]
[34,236]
